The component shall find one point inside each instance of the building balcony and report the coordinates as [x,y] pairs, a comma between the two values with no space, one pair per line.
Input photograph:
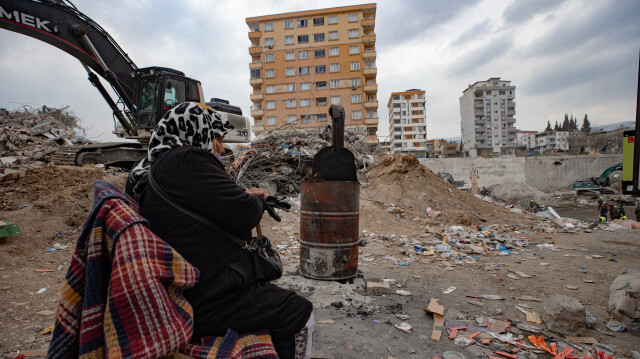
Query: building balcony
[370,71]
[255,50]
[371,88]
[480,122]
[255,35]
[511,113]
[478,112]
[255,65]
[369,39]
[256,97]
[257,129]
[255,82]
[372,121]
[257,113]
[511,120]
[369,56]
[368,24]
[371,104]
[481,138]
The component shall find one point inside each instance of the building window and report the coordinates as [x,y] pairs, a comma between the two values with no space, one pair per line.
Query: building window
[335,100]
[321,101]
[269,74]
[268,42]
[397,137]
[322,118]
[318,37]
[270,89]
[318,21]
[321,69]
[291,118]
[318,53]
[303,23]
[288,24]
[258,122]
[356,115]
[291,103]
[303,70]
[268,58]
[306,119]
[271,121]
[305,86]
[268,26]
[334,67]
[397,145]
[288,40]
[333,35]
[334,51]
[290,55]
[353,33]
[305,102]
[354,49]
[355,66]
[303,55]
[291,87]
[321,85]
[353,17]
[333,19]
[303,39]
[356,98]
[255,73]
[397,129]
[290,71]
[270,105]
[356,82]
[334,84]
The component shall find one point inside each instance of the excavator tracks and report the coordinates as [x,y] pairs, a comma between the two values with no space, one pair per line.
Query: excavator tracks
[115,154]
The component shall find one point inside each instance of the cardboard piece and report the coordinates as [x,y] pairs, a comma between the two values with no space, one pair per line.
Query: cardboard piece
[499,326]
[437,310]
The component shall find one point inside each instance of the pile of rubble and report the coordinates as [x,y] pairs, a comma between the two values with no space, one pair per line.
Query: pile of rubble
[280,160]
[28,136]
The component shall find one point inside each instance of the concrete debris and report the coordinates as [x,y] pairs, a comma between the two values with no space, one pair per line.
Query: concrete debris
[280,160]
[29,135]
[565,315]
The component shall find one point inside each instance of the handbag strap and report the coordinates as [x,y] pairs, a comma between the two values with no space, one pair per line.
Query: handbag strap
[167,198]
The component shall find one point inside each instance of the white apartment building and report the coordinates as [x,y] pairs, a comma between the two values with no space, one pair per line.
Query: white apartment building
[547,141]
[408,122]
[487,110]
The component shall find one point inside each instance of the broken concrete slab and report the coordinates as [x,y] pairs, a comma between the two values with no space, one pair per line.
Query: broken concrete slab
[378,288]
[565,315]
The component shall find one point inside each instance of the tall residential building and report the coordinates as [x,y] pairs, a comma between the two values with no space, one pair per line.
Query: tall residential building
[408,122]
[487,110]
[303,62]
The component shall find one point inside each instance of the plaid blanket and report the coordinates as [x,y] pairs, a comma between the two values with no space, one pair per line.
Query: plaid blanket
[122,296]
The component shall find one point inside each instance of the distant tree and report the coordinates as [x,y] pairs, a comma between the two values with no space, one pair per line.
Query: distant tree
[548,126]
[586,125]
[556,128]
[565,124]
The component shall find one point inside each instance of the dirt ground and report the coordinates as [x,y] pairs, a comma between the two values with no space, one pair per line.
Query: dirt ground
[50,205]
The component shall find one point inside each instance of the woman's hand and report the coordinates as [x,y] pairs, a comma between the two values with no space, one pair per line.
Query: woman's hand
[258,192]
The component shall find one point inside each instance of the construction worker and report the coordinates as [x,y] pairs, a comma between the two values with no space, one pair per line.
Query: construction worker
[623,215]
[600,202]
[614,213]
[603,212]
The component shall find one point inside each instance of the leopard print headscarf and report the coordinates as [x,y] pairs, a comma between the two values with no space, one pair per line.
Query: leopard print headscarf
[188,124]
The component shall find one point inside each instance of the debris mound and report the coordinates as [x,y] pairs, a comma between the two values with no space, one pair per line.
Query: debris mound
[519,193]
[279,161]
[28,136]
[406,188]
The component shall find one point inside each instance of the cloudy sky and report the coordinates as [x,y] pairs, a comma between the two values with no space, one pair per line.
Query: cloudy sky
[575,56]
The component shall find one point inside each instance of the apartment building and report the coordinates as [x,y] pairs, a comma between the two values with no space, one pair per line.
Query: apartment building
[525,138]
[408,122]
[487,110]
[303,62]
[547,141]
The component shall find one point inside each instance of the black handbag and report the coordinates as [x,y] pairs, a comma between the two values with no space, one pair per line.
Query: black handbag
[267,265]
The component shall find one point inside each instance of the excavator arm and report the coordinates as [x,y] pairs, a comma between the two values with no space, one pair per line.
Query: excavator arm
[60,24]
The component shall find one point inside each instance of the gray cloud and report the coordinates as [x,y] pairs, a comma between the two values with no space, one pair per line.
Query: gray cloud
[476,32]
[523,10]
[473,60]
[405,20]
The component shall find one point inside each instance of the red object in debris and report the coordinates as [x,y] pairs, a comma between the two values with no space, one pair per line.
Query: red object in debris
[515,350]
[474,335]
[454,333]
[436,357]
[19,356]
[603,355]
[485,341]
[512,356]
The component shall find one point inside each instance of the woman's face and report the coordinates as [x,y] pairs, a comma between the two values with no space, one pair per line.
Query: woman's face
[218,148]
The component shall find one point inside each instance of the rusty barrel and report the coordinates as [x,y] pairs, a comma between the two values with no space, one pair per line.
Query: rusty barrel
[329,217]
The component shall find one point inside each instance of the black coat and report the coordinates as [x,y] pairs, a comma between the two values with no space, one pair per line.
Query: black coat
[226,295]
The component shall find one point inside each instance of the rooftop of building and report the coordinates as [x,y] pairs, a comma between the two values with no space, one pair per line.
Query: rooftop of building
[472,86]
[366,8]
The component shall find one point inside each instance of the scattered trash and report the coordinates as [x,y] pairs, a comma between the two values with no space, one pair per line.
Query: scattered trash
[615,326]
[492,297]
[452,355]
[42,290]
[403,292]
[405,327]
[591,320]
[402,316]
[463,341]
[437,310]
[326,321]
[449,290]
